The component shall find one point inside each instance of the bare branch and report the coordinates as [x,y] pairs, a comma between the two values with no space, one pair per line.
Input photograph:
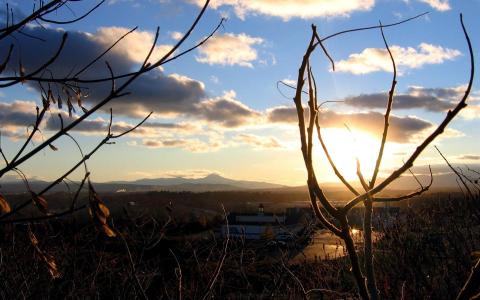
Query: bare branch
[439,130]
[73,20]
[456,173]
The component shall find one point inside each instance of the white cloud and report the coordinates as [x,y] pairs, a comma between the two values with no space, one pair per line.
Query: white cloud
[376,59]
[135,46]
[471,112]
[441,5]
[176,35]
[259,142]
[290,81]
[230,49]
[287,9]
[192,145]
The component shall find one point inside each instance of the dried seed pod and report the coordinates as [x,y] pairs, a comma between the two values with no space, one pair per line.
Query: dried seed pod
[32,237]
[51,265]
[40,203]
[48,259]
[50,96]
[99,213]
[78,95]
[70,107]
[108,231]
[4,206]
[59,102]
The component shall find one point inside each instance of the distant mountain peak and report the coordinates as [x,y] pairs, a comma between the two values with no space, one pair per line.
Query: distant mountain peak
[213,176]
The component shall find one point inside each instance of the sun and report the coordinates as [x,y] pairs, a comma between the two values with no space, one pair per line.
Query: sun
[345,146]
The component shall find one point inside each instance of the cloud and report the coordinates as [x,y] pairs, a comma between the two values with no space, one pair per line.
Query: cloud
[211,144]
[99,126]
[170,95]
[155,91]
[471,112]
[287,9]
[165,95]
[441,5]
[226,111]
[430,99]
[469,157]
[417,97]
[17,113]
[176,35]
[377,59]
[17,119]
[259,142]
[230,49]
[402,101]
[16,116]
[282,114]
[402,129]
[139,43]
[192,145]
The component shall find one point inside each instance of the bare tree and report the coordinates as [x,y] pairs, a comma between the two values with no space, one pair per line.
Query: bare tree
[336,218]
[69,90]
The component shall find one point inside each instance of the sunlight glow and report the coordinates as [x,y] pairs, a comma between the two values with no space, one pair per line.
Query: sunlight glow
[345,146]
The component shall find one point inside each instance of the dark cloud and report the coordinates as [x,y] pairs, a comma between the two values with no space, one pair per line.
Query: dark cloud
[470,157]
[402,129]
[449,94]
[154,91]
[283,114]
[176,126]
[404,101]
[16,116]
[430,99]
[192,145]
[101,126]
[18,113]
[226,111]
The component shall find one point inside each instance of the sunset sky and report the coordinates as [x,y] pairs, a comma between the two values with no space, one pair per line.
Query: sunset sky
[219,109]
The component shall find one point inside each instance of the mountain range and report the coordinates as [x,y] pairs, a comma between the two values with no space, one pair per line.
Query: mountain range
[212,182]
[443,179]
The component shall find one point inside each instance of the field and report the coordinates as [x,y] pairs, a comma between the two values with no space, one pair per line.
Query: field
[425,253]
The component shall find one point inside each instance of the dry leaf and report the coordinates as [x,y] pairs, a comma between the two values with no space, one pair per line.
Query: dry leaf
[108,231]
[33,238]
[99,213]
[40,202]
[104,209]
[48,259]
[4,206]
[52,266]
[70,107]
[79,98]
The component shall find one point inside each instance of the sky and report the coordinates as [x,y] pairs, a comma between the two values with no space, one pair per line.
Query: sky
[220,108]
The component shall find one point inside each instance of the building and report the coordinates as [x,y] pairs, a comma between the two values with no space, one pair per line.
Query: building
[264,226]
